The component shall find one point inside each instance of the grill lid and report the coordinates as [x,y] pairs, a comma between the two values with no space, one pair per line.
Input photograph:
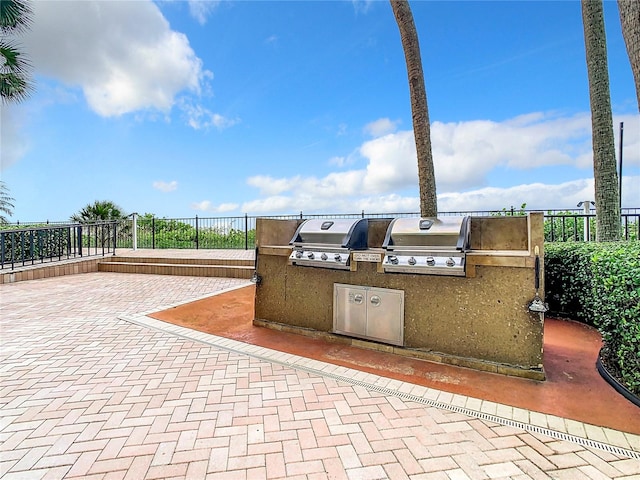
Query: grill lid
[430,246]
[446,233]
[351,234]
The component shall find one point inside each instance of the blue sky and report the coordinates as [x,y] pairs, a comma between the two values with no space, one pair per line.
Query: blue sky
[224,108]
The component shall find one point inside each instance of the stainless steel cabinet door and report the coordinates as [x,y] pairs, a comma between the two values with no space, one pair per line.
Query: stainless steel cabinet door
[369,312]
[350,310]
[385,321]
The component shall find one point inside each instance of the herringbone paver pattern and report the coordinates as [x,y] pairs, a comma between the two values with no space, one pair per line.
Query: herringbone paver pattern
[85,395]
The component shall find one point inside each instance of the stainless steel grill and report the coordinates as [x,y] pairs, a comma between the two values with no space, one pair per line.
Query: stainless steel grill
[328,243]
[431,246]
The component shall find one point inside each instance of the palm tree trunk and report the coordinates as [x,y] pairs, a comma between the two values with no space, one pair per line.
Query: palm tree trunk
[604,154]
[419,110]
[630,21]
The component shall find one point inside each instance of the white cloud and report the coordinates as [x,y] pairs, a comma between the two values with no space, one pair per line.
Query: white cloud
[199,117]
[165,187]
[201,9]
[392,163]
[272,186]
[537,196]
[14,144]
[464,155]
[631,139]
[123,55]
[226,207]
[380,127]
[338,161]
[207,206]
[361,6]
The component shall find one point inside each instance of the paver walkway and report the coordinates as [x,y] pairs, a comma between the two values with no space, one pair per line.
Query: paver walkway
[86,394]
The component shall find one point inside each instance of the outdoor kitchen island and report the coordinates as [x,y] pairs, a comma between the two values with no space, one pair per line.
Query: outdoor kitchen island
[476,315]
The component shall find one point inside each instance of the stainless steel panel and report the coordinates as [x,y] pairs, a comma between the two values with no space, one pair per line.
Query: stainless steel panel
[417,262]
[336,259]
[322,233]
[385,315]
[428,246]
[369,312]
[446,233]
[349,310]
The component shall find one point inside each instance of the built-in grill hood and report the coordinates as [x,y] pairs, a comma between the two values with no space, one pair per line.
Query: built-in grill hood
[432,246]
[327,243]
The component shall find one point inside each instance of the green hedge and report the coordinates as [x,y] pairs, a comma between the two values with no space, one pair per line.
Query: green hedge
[599,284]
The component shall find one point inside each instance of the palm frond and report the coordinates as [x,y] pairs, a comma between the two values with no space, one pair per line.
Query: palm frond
[15,73]
[6,202]
[15,16]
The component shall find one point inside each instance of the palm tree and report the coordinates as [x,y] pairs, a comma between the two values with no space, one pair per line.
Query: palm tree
[6,203]
[104,218]
[419,110]
[630,21]
[605,173]
[98,211]
[15,17]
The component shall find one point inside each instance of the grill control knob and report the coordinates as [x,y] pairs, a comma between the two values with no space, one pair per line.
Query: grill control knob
[310,256]
[431,261]
[451,262]
[411,261]
[337,257]
[393,259]
[299,254]
[324,256]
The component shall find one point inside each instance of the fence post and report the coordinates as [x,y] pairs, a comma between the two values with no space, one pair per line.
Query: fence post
[69,245]
[197,242]
[79,229]
[135,231]
[586,208]
[115,237]
[13,249]
[31,247]
[153,232]
[246,232]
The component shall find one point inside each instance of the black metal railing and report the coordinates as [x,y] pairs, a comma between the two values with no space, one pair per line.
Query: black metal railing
[239,232]
[576,227]
[40,244]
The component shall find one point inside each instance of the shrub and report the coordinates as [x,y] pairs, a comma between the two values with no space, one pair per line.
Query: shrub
[599,284]
[616,269]
[569,281]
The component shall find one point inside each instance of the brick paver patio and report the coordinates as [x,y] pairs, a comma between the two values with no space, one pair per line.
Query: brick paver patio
[88,394]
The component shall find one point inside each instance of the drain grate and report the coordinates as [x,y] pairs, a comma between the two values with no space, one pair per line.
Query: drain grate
[585,442]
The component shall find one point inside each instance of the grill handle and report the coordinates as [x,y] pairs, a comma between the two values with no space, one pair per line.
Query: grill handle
[465,234]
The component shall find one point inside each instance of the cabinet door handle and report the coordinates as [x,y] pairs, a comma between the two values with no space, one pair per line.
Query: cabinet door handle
[375,300]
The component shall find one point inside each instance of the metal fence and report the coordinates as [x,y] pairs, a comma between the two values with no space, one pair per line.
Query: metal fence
[239,232]
[27,244]
[41,244]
